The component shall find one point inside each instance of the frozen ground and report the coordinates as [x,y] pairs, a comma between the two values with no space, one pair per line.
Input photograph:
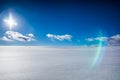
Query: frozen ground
[45,63]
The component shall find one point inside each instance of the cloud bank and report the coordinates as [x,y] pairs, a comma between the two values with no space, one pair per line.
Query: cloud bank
[59,37]
[10,36]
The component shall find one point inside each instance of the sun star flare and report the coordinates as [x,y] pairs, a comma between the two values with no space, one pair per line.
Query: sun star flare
[10,21]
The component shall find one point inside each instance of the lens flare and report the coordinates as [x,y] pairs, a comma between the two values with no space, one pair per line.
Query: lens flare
[98,55]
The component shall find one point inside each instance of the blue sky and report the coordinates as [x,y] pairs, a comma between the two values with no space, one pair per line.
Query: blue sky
[67,23]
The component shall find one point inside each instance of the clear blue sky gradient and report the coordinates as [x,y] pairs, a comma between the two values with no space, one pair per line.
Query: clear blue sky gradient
[78,18]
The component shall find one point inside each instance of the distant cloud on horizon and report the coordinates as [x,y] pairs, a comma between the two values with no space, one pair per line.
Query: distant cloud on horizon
[97,39]
[59,37]
[111,41]
[114,40]
[11,36]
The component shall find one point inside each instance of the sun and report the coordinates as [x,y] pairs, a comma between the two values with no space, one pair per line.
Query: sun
[10,21]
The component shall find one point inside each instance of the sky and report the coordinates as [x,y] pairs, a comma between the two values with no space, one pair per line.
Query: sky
[60,23]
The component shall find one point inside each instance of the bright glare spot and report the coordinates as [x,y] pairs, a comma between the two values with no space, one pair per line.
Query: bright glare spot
[10,21]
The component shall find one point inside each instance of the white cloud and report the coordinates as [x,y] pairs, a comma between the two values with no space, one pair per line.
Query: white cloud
[16,36]
[101,38]
[114,40]
[116,37]
[89,39]
[111,41]
[59,37]
[97,39]
[4,38]
[30,35]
